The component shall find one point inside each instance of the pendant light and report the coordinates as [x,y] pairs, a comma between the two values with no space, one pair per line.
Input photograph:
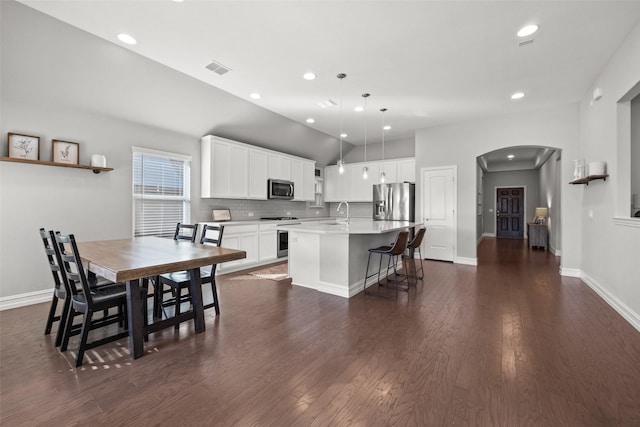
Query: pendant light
[383,176]
[365,169]
[341,76]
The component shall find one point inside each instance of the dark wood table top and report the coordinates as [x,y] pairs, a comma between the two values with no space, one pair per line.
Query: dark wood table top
[129,259]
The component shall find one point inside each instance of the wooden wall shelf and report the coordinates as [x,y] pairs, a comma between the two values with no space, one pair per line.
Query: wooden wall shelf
[95,169]
[588,179]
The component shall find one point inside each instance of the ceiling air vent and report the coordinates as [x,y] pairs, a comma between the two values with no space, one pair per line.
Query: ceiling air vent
[218,68]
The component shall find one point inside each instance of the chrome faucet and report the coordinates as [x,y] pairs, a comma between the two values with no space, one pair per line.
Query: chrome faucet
[340,205]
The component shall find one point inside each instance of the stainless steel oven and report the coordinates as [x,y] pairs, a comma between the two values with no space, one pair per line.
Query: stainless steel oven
[283,243]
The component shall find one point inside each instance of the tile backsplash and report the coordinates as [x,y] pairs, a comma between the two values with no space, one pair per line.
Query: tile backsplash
[240,209]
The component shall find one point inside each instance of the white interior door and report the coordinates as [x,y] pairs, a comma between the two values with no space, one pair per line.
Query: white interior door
[438,211]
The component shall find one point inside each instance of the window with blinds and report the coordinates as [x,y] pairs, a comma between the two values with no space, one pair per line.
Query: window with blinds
[161,195]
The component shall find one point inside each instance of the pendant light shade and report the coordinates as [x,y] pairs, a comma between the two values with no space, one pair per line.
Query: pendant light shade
[383,176]
[365,170]
[341,77]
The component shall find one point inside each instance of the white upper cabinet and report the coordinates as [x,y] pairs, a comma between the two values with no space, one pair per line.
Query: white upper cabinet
[390,169]
[337,187]
[279,167]
[258,174]
[309,181]
[362,189]
[407,170]
[351,187]
[234,170]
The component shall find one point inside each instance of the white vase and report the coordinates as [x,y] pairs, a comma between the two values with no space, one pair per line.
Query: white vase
[98,160]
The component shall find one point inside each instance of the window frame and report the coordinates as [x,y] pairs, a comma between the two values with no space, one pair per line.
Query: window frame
[186,197]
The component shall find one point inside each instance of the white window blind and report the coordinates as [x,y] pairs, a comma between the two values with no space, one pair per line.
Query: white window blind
[160,192]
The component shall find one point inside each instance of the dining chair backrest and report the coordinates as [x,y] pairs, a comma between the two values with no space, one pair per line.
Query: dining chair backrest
[212,235]
[400,245]
[72,269]
[417,240]
[47,241]
[186,232]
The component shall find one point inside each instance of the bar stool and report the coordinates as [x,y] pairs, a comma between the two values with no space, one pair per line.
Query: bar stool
[412,246]
[397,249]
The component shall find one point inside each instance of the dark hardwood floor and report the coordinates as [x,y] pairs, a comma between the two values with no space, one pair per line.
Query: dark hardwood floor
[509,343]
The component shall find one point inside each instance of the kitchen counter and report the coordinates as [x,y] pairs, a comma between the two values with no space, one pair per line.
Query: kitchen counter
[266,221]
[354,226]
[331,256]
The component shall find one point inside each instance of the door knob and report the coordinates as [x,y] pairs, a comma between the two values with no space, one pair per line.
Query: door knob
[426,219]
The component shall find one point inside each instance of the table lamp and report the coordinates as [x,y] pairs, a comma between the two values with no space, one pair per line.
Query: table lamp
[541,215]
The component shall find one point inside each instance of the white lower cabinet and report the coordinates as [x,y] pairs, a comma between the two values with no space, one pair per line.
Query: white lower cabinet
[242,237]
[268,242]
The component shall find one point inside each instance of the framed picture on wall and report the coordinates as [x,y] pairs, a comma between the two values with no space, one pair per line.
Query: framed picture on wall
[24,146]
[65,152]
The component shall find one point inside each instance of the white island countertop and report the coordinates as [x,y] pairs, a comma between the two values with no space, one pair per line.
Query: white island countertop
[354,226]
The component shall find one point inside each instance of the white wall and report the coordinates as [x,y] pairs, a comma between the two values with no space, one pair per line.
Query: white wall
[550,196]
[460,144]
[610,247]
[525,178]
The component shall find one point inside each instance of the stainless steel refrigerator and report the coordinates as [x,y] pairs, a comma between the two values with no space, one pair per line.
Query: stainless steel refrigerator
[394,202]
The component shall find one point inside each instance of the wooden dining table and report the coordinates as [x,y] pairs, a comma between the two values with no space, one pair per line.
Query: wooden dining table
[134,260]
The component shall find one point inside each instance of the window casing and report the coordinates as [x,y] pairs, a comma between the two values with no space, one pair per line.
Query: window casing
[161,192]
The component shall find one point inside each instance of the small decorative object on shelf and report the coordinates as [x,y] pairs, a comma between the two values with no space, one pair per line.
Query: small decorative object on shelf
[99,160]
[25,147]
[65,152]
[578,169]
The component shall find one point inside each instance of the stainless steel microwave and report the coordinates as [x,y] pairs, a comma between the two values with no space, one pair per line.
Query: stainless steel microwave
[280,189]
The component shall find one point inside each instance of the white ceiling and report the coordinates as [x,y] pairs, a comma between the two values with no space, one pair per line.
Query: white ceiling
[523,158]
[428,62]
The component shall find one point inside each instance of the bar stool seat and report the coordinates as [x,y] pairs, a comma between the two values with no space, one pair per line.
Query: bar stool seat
[393,251]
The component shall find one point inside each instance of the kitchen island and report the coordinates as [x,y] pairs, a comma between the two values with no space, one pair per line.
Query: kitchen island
[331,256]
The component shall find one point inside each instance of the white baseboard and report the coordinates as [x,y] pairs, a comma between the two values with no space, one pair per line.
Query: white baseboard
[570,272]
[556,252]
[627,313]
[488,234]
[465,261]
[29,298]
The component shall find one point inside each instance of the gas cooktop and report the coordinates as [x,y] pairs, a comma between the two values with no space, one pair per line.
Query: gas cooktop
[278,218]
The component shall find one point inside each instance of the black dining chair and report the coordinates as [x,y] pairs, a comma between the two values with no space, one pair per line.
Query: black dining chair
[184,232]
[87,301]
[177,281]
[59,291]
[393,252]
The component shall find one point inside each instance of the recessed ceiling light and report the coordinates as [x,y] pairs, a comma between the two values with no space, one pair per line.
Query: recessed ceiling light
[309,76]
[126,38]
[358,109]
[387,127]
[255,96]
[343,135]
[517,95]
[510,156]
[310,120]
[527,30]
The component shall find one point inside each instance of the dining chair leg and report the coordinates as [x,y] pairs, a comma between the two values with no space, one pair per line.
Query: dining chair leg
[214,291]
[84,334]
[67,329]
[178,296]
[379,267]
[64,315]
[52,315]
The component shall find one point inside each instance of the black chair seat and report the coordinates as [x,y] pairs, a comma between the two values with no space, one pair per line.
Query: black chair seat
[104,293]
[184,276]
